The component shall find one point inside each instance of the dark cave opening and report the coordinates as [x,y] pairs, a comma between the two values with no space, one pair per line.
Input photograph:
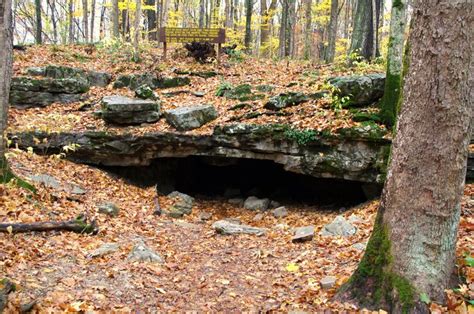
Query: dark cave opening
[220,178]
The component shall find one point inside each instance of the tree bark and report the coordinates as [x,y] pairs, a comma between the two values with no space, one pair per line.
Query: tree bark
[308,30]
[202,13]
[54,22]
[266,15]
[412,247]
[6,47]
[393,79]
[283,28]
[71,21]
[151,20]
[39,23]
[136,30]
[92,21]
[78,225]
[363,34]
[248,23]
[85,20]
[115,19]
[332,34]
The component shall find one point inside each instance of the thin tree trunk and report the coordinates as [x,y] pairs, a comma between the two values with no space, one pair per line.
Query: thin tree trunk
[115,19]
[92,21]
[363,34]
[151,19]
[6,46]
[39,23]
[102,22]
[54,22]
[228,14]
[136,29]
[85,20]
[283,28]
[248,23]
[412,249]
[202,13]
[308,30]
[332,33]
[71,21]
[393,79]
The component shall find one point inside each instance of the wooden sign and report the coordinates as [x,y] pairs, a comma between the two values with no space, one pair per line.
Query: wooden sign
[188,35]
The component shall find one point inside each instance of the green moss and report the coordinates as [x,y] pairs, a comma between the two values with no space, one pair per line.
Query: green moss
[376,283]
[302,137]
[390,100]
[7,176]
[366,130]
[89,228]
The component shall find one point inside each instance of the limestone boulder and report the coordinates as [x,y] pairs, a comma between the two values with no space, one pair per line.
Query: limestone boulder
[125,110]
[188,118]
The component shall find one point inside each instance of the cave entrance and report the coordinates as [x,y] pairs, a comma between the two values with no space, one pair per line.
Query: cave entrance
[221,177]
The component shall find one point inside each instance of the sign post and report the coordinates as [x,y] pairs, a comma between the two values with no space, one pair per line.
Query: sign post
[187,35]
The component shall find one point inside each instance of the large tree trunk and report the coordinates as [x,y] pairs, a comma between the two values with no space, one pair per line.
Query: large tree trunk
[363,34]
[332,33]
[39,23]
[115,19]
[413,244]
[248,23]
[6,46]
[393,79]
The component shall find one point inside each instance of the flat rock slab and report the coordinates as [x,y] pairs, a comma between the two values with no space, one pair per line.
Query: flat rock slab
[229,228]
[109,208]
[303,234]
[339,227]
[124,110]
[26,92]
[51,182]
[188,118]
[104,249]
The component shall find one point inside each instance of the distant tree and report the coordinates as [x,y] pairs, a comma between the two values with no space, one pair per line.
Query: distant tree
[92,18]
[248,23]
[393,79]
[412,249]
[151,20]
[266,14]
[115,19]
[332,32]
[39,23]
[286,27]
[363,39]
[70,15]
[6,46]
[85,20]
[137,31]
[308,31]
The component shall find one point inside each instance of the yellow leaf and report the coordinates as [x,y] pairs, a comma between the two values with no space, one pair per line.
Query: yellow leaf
[10,229]
[292,267]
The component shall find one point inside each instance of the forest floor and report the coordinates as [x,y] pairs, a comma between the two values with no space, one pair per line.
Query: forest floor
[202,270]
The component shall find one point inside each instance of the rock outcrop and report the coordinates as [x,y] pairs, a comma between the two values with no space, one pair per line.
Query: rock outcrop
[26,92]
[94,78]
[133,81]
